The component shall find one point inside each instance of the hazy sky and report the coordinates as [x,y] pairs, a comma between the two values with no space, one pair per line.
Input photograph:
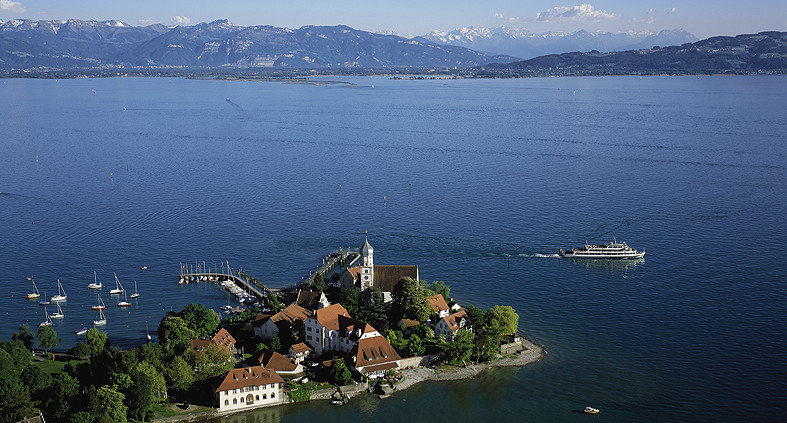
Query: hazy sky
[704,18]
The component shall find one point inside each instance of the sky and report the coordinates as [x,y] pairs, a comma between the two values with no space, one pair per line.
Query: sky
[703,18]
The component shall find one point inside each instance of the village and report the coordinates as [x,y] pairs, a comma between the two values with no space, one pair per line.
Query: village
[365,328]
[361,329]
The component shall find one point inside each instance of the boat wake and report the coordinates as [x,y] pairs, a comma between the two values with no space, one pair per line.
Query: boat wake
[537,255]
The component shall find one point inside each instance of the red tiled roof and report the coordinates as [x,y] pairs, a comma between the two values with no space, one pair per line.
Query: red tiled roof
[301,347]
[437,302]
[291,313]
[308,299]
[329,316]
[223,338]
[386,277]
[453,319]
[350,325]
[247,376]
[273,360]
[372,351]
[355,272]
[408,323]
[378,367]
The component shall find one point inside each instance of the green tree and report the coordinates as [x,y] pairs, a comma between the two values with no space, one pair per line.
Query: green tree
[47,338]
[409,301]
[487,342]
[273,302]
[120,381]
[318,284]
[415,346]
[80,350]
[65,388]
[261,346]
[158,385]
[202,320]
[19,354]
[460,348]
[213,361]
[34,378]
[340,374]
[174,334]
[81,417]
[437,287]
[371,306]
[504,317]
[276,343]
[96,341]
[475,315]
[180,374]
[138,398]
[108,403]
[26,335]
[349,300]
[423,331]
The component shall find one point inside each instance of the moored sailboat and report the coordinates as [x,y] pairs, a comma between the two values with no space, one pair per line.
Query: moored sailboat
[48,321]
[61,293]
[102,320]
[59,314]
[125,302]
[33,295]
[118,287]
[81,331]
[100,305]
[96,284]
[136,293]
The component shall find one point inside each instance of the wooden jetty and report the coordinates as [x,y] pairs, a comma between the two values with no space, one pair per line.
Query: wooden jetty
[338,258]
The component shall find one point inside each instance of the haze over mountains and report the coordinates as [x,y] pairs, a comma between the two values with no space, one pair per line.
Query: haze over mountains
[26,44]
[40,46]
[521,43]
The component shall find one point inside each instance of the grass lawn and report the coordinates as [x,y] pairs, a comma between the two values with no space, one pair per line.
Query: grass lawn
[169,410]
[54,367]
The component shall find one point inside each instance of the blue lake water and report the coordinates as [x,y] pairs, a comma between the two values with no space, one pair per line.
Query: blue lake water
[479,182]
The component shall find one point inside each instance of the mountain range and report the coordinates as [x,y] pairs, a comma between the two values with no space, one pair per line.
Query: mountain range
[521,43]
[29,44]
[764,52]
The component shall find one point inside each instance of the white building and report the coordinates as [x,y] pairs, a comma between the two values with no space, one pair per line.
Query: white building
[449,325]
[322,329]
[368,275]
[249,387]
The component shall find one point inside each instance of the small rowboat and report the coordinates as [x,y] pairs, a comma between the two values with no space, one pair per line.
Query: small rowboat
[591,410]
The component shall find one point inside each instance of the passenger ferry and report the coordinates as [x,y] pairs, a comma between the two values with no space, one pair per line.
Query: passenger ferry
[612,250]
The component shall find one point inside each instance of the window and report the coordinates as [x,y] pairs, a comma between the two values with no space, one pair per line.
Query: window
[273,394]
[226,402]
[234,400]
[258,397]
[241,400]
[264,396]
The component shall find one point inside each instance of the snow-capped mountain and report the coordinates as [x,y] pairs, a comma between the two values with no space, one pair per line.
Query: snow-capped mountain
[521,43]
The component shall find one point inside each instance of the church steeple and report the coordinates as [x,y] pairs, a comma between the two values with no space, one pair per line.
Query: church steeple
[367,266]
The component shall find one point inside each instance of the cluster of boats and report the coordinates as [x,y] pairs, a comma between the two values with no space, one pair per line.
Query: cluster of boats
[612,250]
[242,296]
[100,305]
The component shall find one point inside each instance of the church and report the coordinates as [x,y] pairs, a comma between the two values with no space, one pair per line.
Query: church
[382,277]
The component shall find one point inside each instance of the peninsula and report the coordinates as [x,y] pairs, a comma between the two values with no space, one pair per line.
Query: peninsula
[352,326]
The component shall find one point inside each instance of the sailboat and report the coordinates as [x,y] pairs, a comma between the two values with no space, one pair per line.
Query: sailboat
[118,287]
[135,294]
[147,331]
[48,321]
[81,331]
[100,305]
[102,320]
[59,314]
[125,302]
[96,284]
[44,302]
[61,293]
[33,295]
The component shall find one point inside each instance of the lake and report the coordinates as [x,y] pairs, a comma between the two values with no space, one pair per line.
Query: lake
[479,182]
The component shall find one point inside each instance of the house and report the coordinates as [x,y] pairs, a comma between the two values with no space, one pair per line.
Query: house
[311,300]
[322,328]
[277,362]
[382,277]
[351,331]
[449,325]
[248,387]
[407,324]
[222,338]
[268,327]
[372,356]
[299,352]
[438,304]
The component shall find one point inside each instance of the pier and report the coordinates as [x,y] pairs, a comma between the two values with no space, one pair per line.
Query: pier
[339,258]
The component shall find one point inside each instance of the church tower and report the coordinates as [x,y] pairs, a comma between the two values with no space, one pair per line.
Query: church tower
[367,266]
